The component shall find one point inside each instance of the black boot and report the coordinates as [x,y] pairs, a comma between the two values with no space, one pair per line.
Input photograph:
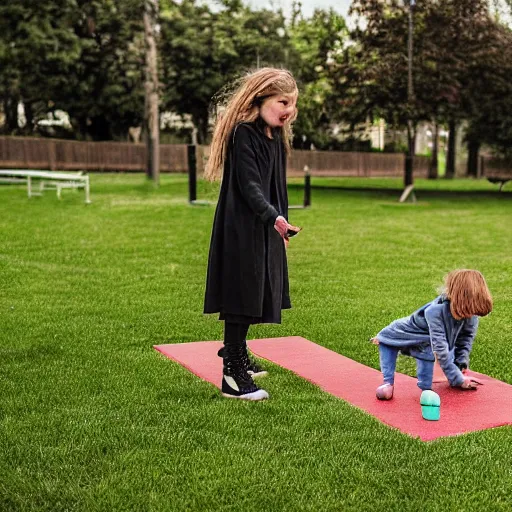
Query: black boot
[252,367]
[236,382]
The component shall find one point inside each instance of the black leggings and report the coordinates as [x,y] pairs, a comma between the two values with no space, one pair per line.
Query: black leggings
[235,334]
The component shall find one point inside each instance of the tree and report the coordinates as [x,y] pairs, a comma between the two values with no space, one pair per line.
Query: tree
[313,43]
[104,92]
[457,29]
[151,115]
[38,50]
[474,59]
[490,104]
[372,74]
[202,50]
[81,56]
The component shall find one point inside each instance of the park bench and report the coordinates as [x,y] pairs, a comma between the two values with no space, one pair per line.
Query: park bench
[497,171]
[502,177]
[47,180]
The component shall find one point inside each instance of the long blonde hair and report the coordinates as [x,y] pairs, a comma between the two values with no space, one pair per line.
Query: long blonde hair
[468,293]
[243,105]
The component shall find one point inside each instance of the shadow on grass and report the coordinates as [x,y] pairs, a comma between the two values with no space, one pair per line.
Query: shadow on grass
[420,193]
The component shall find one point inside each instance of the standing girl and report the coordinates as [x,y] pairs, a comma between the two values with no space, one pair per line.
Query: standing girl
[247,279]
[444,328]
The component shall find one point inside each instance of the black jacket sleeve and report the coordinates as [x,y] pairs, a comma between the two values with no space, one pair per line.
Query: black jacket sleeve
[248,177]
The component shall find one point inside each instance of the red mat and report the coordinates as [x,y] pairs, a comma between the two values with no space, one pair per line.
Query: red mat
[461,411]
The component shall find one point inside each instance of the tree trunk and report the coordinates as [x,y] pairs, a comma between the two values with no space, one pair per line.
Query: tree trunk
[473,150]
[151,114]
[99,128]
[450,157]
[433,170]
[11,114]
[80,127]
[29,117]
[200,120]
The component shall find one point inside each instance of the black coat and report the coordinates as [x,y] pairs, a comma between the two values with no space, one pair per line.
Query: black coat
[247,269]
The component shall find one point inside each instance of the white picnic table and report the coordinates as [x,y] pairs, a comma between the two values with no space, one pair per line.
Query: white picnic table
[47,179]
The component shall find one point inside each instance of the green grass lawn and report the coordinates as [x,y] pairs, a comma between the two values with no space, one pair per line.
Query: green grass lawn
[93,418]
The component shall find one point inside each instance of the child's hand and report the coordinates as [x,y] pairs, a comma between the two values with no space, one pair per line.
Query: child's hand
[471,383]
[281,226]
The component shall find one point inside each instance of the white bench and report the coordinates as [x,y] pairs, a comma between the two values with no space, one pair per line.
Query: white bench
[47,179]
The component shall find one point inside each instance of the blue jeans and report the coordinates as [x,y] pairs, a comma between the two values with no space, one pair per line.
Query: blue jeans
[388,355]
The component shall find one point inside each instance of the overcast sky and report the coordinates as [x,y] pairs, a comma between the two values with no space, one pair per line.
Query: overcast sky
[308,6]
[342,6]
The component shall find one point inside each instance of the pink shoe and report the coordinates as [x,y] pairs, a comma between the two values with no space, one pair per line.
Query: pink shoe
[385,392]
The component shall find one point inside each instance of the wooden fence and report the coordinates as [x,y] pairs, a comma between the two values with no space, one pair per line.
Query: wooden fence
[330,163]
[54,154]
[496,167]
[337,163]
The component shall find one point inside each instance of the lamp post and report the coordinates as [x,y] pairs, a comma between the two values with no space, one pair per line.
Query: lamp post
[151,113]
[410,88]
[409,157]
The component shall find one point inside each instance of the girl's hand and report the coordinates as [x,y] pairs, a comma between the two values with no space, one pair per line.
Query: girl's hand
[281,225]
[471,383]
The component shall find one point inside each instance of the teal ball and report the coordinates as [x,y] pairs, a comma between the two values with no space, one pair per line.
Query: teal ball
[430,405]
